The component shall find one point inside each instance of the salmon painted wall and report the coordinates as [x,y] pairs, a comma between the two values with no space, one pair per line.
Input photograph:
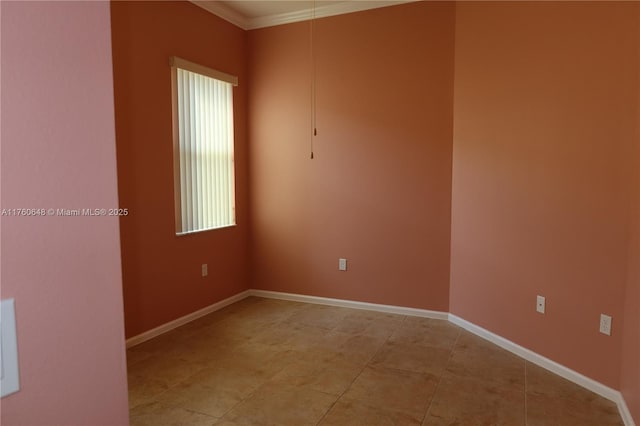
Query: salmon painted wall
[630,377]
[161,272]
[544,111]
[58,151]
[378,190]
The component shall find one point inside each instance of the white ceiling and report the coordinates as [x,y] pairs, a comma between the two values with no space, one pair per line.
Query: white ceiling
[251,14]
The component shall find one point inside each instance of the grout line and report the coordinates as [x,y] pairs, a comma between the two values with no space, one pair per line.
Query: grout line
[435,391]
[366,364]
[253,392]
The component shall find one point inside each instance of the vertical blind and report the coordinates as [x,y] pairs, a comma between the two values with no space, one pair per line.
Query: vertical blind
[204,110]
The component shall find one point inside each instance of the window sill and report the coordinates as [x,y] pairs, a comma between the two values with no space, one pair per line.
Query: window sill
[199,231]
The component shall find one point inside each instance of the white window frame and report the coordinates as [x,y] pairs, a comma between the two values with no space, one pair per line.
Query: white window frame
[194,197]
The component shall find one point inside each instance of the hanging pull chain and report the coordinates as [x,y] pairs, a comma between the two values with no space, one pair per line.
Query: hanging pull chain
[313,77]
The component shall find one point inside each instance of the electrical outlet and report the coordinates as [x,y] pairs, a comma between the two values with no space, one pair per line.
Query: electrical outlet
[540,304]
[205,270]
[605,324]
[342,264]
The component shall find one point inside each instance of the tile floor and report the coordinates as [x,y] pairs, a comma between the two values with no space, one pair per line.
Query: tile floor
[272,362]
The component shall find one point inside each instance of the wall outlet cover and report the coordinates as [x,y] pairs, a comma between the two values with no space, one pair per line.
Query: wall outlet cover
[342,264]
[605,324]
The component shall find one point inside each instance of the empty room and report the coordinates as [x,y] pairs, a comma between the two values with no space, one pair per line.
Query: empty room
[320,213]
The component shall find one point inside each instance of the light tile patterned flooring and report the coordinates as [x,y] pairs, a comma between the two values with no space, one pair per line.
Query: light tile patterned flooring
[272,362]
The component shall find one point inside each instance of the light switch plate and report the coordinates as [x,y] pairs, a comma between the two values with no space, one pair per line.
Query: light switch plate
[10,381]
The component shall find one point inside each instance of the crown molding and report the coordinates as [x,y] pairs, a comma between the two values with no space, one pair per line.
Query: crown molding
[333,9]
[320,12]
[224,12]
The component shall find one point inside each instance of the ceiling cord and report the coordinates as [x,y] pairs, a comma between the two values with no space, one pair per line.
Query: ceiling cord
[314,131]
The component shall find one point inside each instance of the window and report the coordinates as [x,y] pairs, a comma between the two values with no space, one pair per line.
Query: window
[203,147]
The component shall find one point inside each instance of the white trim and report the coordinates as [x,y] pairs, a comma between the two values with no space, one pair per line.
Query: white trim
[624,412]
[177,62]
[390,309]
[562,371]
[320,12]
[225,12]
[229,14]
[154,332]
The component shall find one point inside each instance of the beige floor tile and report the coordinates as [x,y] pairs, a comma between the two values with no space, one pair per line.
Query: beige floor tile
[462,401]
[347,412]
[260,359]
[426,332]
[367,323]
[234,329]
[133,357]
[554,400]
[353,348]
[326,375]
[543,382]
[394,389]
[203,349]
[156,414]
[143,390]
[263,361]
[188,344]
[243,371]
[239,377]
[281,405]
[327,317]
[168,370]
[473,358]
[252,353]
[302,338]
[308,356]
[278,335]
[216,401]
[419,359]
[544,410]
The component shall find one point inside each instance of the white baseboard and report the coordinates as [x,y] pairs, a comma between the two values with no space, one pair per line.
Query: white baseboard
[154,332]
[624,412]
[390,309]
[561,370]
